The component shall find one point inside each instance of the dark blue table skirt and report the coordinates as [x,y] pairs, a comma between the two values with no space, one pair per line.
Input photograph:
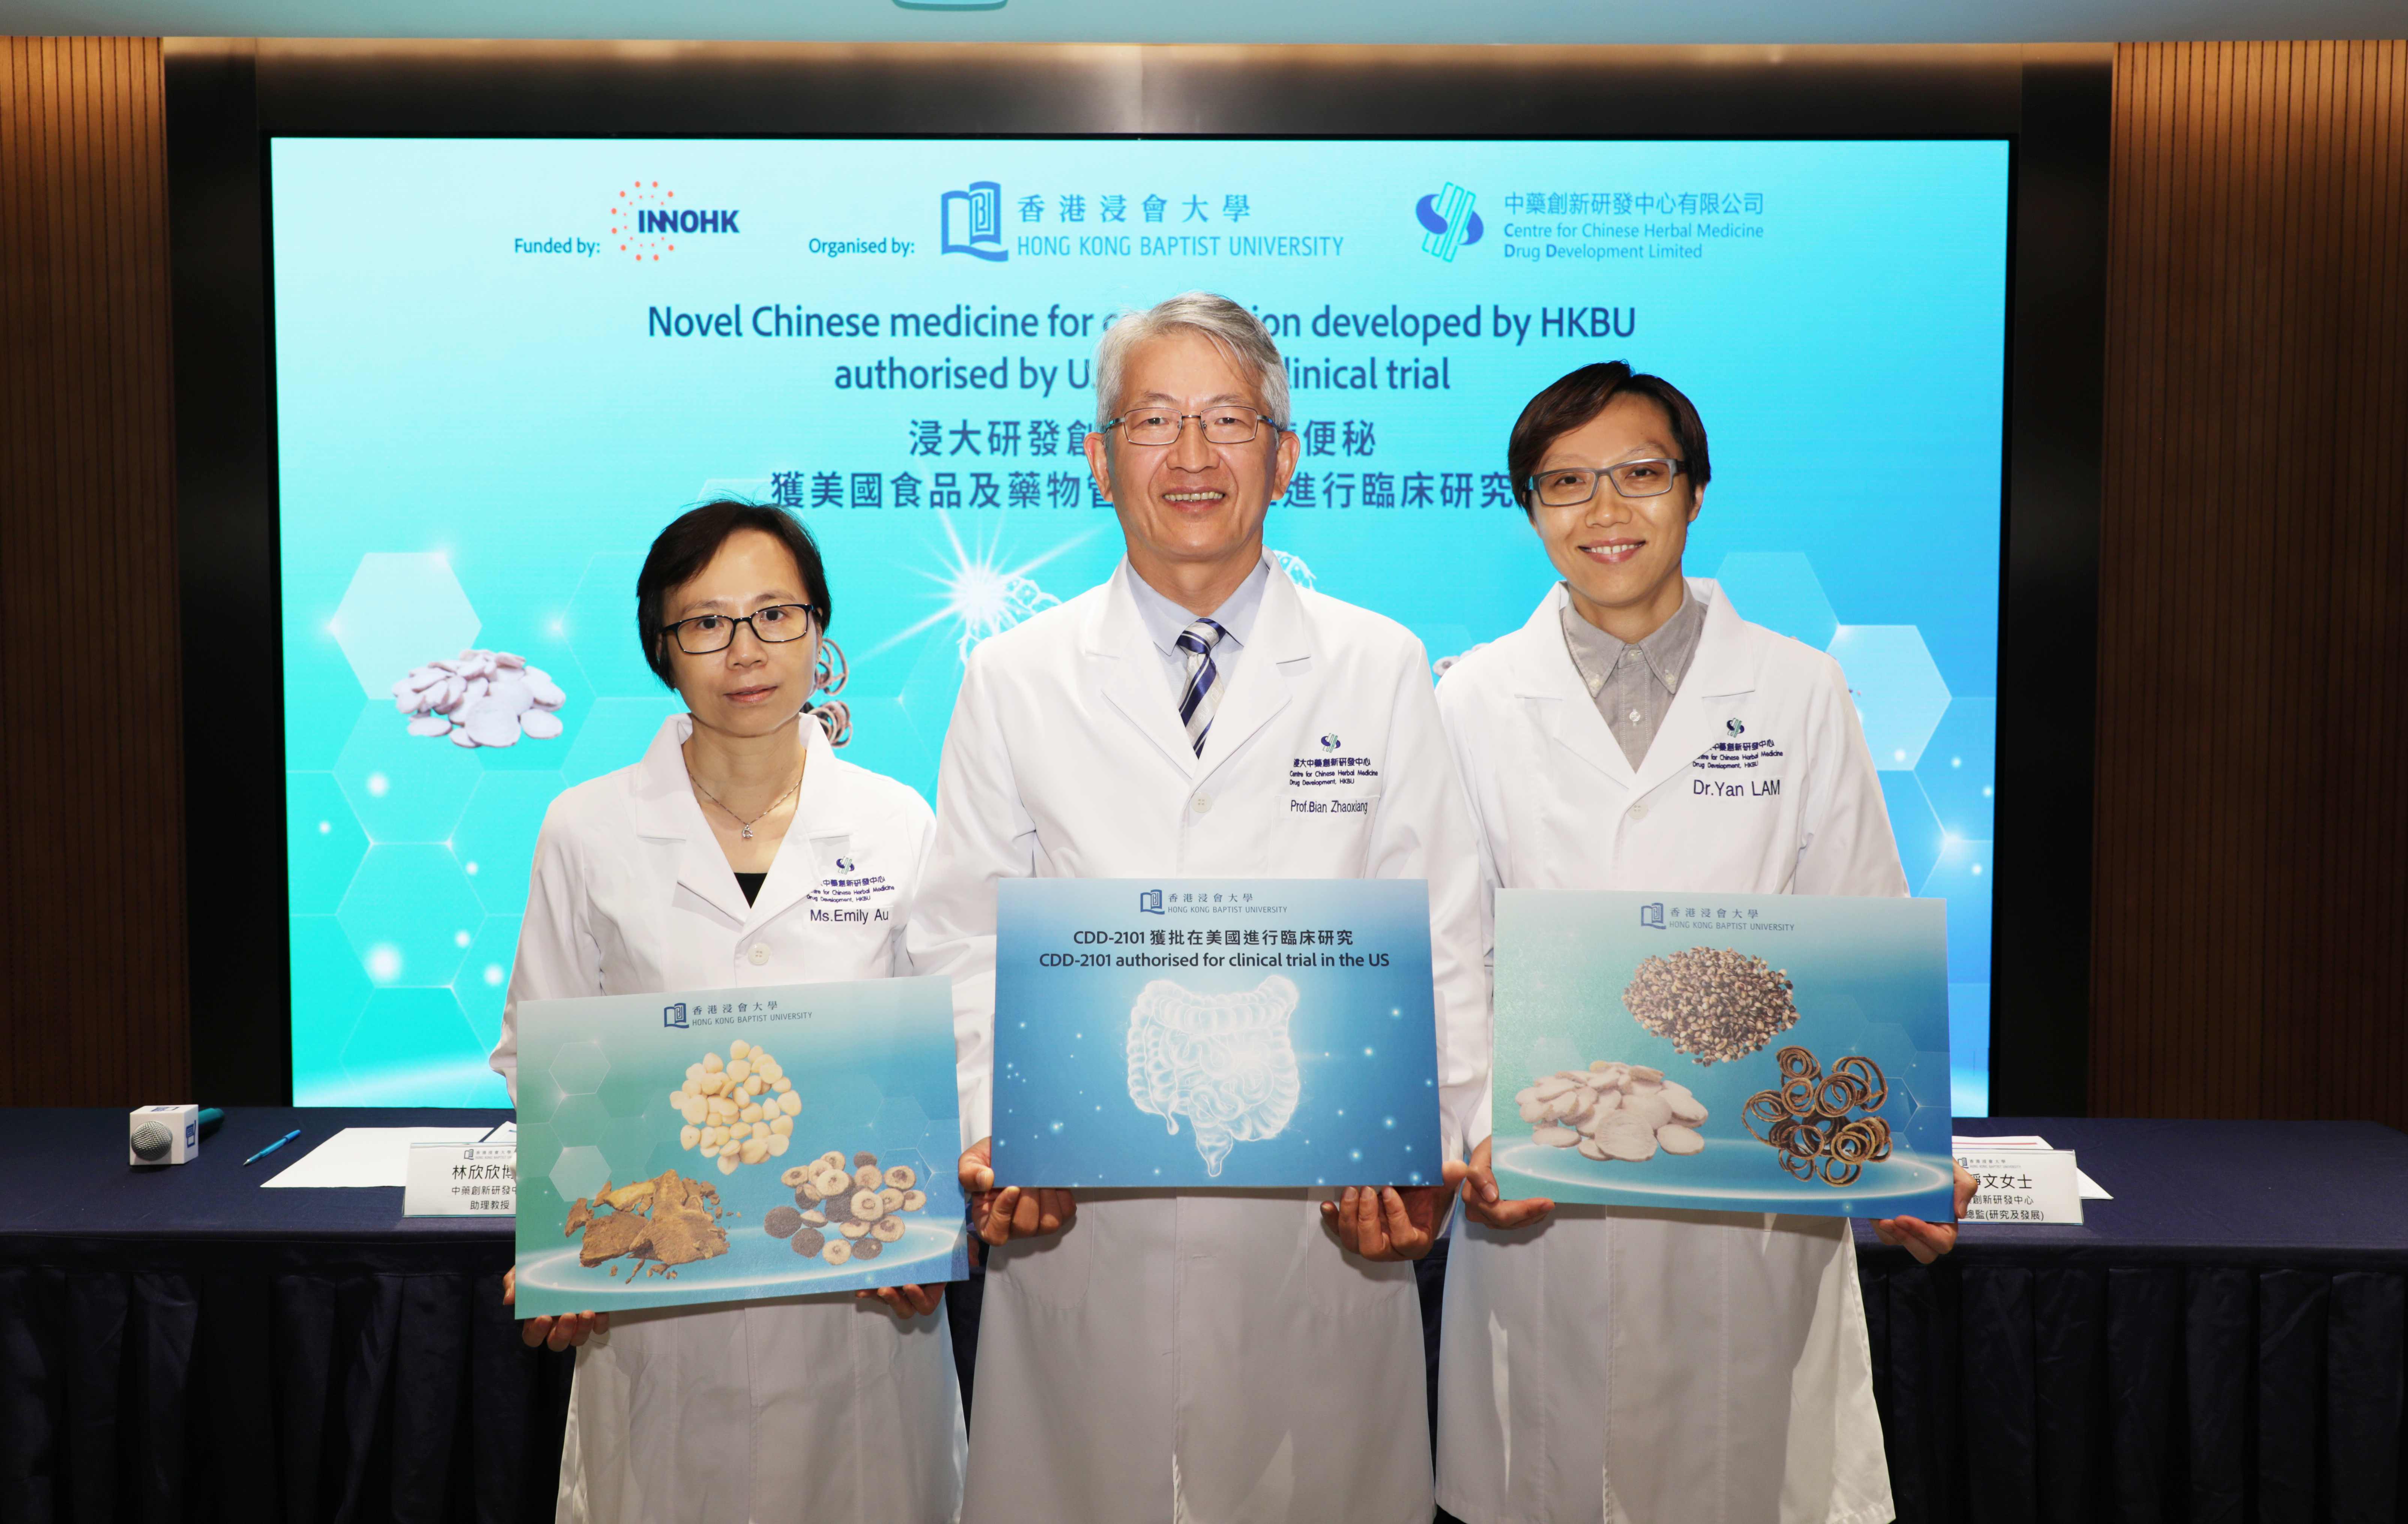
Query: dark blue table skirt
[2224,1340]
[176,1344]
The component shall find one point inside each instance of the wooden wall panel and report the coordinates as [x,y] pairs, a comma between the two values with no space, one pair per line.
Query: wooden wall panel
[2251,867]
[92,1004]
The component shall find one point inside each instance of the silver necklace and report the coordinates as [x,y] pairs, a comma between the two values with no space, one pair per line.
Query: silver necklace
[744,827]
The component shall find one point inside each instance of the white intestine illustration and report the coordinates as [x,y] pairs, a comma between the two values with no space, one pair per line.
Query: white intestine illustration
[1224,1060]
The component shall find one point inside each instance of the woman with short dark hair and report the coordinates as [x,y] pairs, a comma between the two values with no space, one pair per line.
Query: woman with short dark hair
[1606,1363]
[698,868]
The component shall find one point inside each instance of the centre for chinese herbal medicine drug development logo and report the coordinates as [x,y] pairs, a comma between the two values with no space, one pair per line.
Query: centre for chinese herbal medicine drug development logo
[646,220]
[1449,222]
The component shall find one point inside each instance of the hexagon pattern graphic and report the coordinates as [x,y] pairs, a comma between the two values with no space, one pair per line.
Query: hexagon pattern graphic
[482,984]
[1912,823]
[403,787]
[329,989]
[420,850]
[495,840]
[1960,769]
[1962,877]
[323,842]
[413,1048]
[409,916]
[580,1067]
[1897,687]
[601,628]
[1779,590]
[403,608]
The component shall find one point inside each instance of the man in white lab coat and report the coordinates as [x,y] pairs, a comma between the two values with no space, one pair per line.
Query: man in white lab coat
[1227,1358]
[1611,1364]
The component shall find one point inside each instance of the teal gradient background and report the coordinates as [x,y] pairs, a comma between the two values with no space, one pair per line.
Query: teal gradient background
[476,443]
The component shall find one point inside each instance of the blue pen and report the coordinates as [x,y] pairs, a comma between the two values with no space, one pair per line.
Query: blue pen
[274,1146]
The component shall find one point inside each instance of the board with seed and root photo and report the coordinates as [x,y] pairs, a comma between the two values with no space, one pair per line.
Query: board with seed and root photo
[1723,1052]
[733,1144]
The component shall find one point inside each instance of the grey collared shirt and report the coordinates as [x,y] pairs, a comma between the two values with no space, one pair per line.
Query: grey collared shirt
[1633,684]
[1164,620]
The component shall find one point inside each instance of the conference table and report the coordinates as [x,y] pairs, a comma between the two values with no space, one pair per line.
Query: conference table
[2224,1340]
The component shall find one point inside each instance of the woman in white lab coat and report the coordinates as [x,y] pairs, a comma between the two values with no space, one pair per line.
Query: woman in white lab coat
[1613,1364]
[1221,1357]
[698,866]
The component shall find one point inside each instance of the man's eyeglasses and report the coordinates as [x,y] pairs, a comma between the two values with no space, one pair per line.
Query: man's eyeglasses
[1631,479]
[777,624]
[1161,425]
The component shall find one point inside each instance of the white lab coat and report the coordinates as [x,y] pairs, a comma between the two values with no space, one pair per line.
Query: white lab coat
[804,1408]
[1662,1367]
[1213,1357]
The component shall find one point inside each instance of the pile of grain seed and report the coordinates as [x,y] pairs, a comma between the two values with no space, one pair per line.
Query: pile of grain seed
[1715,1004]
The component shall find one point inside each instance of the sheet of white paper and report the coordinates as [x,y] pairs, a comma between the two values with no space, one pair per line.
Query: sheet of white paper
[2090,1189]
[366,1156]
[507,1132]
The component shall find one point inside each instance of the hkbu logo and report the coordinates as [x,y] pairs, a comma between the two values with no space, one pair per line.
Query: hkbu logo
[971,221]
[1330,743]
[1150,901]
[1652,915]
[844,864]
[1735,727]
[644,218]
[674,1015]
[1450,220]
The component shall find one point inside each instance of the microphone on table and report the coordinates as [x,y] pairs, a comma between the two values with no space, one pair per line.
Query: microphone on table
[168,1134]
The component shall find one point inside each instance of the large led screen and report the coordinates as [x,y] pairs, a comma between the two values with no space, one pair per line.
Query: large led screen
[501,367]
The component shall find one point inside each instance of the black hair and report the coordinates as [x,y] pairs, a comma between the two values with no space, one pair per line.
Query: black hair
[1572,400]
[687,545]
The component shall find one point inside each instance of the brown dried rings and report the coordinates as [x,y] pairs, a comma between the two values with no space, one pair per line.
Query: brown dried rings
[1713,1003]
[1806,1118]
[1764,1113]
[1872,1089]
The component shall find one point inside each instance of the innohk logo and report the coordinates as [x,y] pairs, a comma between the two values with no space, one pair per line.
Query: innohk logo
[647,221]
[1449,221]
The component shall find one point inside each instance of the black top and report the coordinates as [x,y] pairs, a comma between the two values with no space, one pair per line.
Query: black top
[751,884]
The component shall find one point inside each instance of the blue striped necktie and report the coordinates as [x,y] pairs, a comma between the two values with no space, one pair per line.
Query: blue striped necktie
[1202,694]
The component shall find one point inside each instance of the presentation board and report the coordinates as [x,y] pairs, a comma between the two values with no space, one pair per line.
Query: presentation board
[501,367]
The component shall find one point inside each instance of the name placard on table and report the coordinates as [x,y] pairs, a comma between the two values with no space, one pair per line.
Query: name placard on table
[461,1179]
[2024,1180]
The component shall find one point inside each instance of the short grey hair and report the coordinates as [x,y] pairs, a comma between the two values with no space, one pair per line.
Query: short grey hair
[1233,330]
